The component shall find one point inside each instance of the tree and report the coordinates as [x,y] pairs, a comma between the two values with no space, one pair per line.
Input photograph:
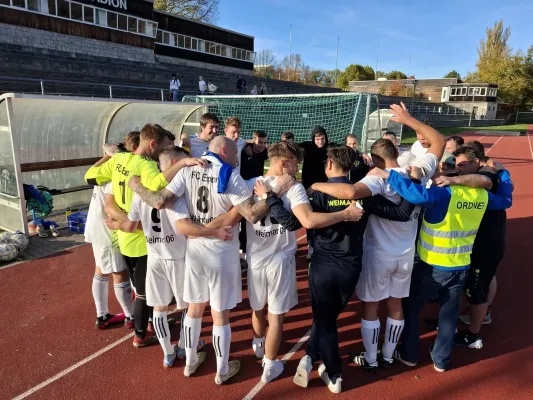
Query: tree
[265,64]
[380,74]
[291,67]
[355,72]
[396,75]
[453,74]
[200,10]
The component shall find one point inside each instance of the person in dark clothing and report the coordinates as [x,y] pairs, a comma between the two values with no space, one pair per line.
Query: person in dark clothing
[335,266]
[241,85]
[287,136]
[253,159]
[315,155]
[360,167]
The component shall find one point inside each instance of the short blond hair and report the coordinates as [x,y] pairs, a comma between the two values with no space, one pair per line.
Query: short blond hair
[233,121]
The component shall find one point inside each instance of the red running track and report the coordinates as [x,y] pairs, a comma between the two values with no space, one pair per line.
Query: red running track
[47,328]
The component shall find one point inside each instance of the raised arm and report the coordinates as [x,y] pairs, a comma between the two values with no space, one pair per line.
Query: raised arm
[503,198]
[343,190]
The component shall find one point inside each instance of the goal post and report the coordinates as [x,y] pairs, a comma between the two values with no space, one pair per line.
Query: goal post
[339,113]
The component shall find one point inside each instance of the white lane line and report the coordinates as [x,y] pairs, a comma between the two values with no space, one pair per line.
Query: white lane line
[70,369]
[286,358]
[491,147]
[300,238]
[481,137]
[530,148]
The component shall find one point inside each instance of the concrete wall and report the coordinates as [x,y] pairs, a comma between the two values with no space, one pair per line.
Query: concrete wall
[196,64]
[36,38]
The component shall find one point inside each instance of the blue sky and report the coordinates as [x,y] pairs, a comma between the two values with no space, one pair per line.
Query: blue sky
[440,35]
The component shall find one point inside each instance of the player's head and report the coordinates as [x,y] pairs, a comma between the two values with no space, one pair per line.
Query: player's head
[421,138]
[466,160]
[478,147]
[260,140]
[226,149]
[391,136]
[446,166]
[284,158]
[208,126]
[131,141]
[383,150]
[453,142]
[171,156]
[340,161]
[232,128]
[350,140]
[320,136]
[154,139]
[287,136]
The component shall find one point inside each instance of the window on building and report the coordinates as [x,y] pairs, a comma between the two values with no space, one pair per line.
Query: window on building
[111,19]
[151,28]
[5,2]
[141,27]
[181,41]
[173,39]
[443,93]
[51,7]
[63,9]
[166,38]
[122,22]
[100,17]
[76,11]
[159,36]
[34,5]
[88,14]
[19,3]
[194,44]
[483,92]
[188,42]
[463,91]
[132,24]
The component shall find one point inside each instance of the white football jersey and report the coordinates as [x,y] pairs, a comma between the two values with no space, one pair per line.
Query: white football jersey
[162,237]
[198,146]
[199,187]
[267,237]
[96,231]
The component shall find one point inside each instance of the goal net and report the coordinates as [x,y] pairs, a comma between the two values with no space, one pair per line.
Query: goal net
[338,113]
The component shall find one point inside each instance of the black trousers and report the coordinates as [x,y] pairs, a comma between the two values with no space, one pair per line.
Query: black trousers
[331,288]
[242,235]
[137,269]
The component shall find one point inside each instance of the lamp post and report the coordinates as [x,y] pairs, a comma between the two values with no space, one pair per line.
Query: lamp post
[414,82]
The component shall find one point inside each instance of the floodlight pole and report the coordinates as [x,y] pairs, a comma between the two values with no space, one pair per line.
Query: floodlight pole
[290,55]
[376,70]
[337,60]
[414,93]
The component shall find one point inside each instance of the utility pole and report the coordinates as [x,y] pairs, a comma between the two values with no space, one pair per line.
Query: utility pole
[409,69]
[414,94]
[376,70]
[337,60]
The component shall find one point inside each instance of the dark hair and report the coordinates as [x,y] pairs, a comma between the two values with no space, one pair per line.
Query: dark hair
[287,135]
[260,134]
[155,132]
[350,135]
[384,149]
[319,131]
[478,147]
[175,150]
[342,156]
[389,133]
[469,152]
[285,149]
[457,139]
[207,118]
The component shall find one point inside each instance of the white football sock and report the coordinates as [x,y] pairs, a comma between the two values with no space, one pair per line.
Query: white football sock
[393,331]
[125,298]
[221,344]
[370,334]
[191,334]
[100,294]
[160,324]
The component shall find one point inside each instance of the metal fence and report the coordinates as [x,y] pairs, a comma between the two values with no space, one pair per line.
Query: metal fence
[524,118]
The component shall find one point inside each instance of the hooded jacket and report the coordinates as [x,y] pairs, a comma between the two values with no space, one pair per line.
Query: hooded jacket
[314,168]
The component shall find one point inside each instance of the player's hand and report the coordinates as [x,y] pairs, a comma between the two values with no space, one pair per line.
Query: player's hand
[135,183]
[110,149]
[401,115]
[185,141]
[442,181]
[380,173]
[248,150]
[310,191]
[283,183]
[367,159]
[414,172]
[224,234]
[191,162]
[354,213]
[112,223]
[498,166]
[260,188]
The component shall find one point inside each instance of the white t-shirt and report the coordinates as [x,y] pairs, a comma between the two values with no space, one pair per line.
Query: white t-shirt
[175,84]
[240,145]
[389,240]
[408,158]
[162,237]
[202,86]
[199,187]
[96,231]
[198,146]
[267,237]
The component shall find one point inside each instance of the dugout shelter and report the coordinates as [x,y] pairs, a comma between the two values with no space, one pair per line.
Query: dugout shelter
[52,141]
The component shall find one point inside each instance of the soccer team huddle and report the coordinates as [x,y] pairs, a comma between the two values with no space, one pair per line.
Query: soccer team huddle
[165,221]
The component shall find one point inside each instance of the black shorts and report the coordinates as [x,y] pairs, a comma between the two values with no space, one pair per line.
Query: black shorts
[482,269]
[137,268]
